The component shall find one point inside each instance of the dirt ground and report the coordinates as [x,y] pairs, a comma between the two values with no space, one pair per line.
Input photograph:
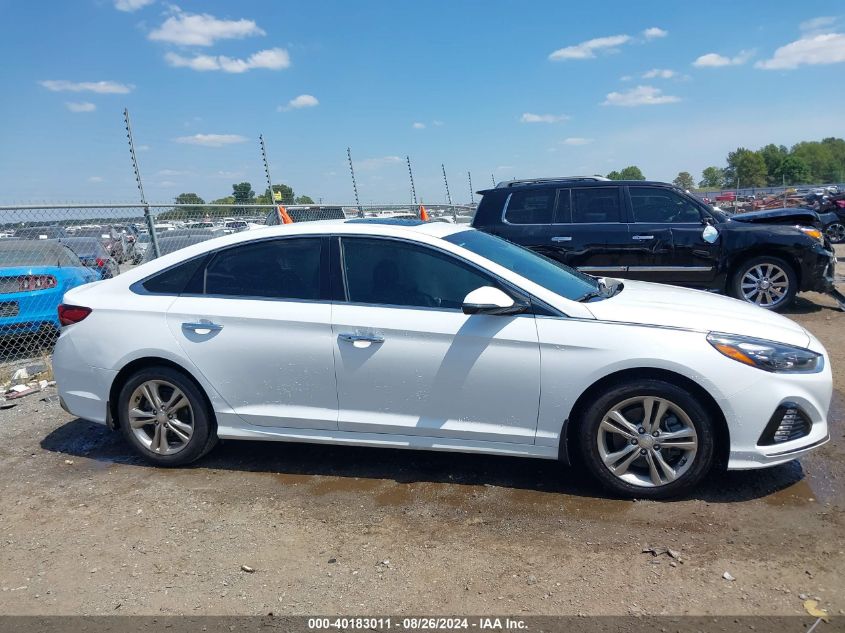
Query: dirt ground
[85,528]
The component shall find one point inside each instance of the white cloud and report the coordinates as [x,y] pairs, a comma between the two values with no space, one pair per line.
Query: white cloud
[100,87]
[714,60]
[641,95]
[80,106]
[661,73]
[194,29]
[504,168]
[530,117]
[371,164]
[588,49]
[270,59]
[297,103]
[143,148]
[815,25]
[131,5]
[96,179]
[211,140]
[654,32]
[418,126]
[814,50]
[577,140]
[170,173]
[437,123]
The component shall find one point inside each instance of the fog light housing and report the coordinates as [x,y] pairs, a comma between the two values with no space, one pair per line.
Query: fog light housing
[787,423]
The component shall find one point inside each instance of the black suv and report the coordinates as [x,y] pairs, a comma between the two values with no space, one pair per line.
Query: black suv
[653,231]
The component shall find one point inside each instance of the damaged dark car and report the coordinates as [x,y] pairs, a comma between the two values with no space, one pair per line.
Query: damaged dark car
[654,231]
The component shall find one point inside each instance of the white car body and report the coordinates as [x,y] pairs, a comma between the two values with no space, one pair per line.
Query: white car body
[442,380]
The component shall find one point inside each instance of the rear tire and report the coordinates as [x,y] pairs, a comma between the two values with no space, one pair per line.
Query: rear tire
[647,439]
[836,232]
[165,417]
[768,282]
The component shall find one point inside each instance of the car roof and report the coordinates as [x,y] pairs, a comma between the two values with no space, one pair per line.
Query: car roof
[574,181]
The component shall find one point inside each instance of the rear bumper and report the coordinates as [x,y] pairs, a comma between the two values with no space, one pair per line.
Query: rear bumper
[83,390]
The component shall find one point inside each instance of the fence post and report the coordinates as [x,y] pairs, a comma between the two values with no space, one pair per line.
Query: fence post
[147,215]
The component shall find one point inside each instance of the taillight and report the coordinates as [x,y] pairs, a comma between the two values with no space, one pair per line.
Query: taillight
[68,315]
[36,282]
[100,262]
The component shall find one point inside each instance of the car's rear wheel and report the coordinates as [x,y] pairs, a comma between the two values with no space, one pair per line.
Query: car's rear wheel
[647,439]
[164,417]
[768,282]
[836,232]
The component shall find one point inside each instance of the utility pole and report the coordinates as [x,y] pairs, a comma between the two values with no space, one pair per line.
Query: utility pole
[411,174]
[448,195]
[354,184]
[493,180]
[471,194]
[147,215]
[266,167]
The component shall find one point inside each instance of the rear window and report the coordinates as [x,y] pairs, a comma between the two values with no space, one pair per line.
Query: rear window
[174,281]
[592,205]
[531,207]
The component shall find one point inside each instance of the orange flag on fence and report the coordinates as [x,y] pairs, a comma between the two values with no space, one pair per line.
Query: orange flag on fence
[423,214]
[283,215]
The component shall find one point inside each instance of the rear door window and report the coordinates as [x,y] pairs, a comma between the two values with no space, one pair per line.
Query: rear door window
[531,207]
[596,205]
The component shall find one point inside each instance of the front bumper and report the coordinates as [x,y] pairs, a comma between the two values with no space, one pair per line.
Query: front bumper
[819,270]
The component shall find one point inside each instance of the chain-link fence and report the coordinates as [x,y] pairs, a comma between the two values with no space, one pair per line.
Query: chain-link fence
[47,250]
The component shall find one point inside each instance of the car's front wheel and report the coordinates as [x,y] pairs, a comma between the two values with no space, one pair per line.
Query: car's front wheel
[768,282]
[164,417]
[836,232]
[647,439]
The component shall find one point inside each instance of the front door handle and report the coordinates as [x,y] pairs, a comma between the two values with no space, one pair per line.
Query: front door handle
[361,338]
[643,237]
[202,327]
[562,238]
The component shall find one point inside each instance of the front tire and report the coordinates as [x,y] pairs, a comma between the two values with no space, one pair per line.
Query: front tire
[647,439]
[768,282]
[836,232]
[165,417]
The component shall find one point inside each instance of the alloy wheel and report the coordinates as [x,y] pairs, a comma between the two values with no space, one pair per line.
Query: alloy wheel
[836,232]
[161,417]
[765,284]
[647,441]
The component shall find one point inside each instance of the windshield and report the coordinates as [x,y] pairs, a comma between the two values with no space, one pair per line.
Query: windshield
[557,277]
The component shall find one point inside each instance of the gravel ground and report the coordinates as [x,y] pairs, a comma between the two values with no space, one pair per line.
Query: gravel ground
[85,528]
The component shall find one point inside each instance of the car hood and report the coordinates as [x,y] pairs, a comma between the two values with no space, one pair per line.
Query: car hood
[670,306]
[778,216]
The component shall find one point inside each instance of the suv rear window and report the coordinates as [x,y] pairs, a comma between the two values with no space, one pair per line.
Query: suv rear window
[591,205]
[531,207]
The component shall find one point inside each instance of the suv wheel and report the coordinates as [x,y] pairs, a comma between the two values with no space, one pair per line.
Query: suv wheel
[164,417]
[768,282]
[647,439]
[836,232]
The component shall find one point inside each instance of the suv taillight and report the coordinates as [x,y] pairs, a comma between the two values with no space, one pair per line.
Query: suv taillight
[36,282]
[68,315]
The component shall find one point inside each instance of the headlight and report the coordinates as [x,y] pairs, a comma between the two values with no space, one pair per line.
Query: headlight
[767,355]
[812,232]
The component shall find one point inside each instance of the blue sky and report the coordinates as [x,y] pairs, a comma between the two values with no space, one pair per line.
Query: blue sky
[508,89]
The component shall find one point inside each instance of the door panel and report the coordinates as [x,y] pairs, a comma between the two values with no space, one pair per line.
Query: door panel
[437,373]
[272,361]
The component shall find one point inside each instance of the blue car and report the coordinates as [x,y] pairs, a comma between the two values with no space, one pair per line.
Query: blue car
[34,276]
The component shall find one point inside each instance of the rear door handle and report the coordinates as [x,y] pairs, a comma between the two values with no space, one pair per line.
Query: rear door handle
[562,238]
[202,327]
[643,237]
[361,338]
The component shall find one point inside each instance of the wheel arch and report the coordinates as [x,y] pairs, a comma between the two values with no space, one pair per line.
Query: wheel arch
[569,455]
[764,251]
[143,363]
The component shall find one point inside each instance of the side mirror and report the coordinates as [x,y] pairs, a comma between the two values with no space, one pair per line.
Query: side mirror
[710,234]
[490,300]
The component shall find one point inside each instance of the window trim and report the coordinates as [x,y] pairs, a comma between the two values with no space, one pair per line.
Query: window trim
[516,293]
[554,211]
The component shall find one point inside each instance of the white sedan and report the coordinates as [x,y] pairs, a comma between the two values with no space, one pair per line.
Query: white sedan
[404,334]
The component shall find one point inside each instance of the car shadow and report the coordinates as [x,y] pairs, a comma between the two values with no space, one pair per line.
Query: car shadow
[81,438]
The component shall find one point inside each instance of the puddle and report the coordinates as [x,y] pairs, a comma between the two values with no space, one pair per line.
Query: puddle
[798,494]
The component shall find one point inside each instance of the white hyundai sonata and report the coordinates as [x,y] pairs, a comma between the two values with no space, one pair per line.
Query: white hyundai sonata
[432,336]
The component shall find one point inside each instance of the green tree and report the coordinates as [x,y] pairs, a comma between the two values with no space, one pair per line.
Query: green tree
[773,155]
[825,159]
[712,178]
[189,198]
[243,193]
[791,171]
[304,200]
[632,173]
[747,168]
[615,175]
[285,190]
[684,180]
